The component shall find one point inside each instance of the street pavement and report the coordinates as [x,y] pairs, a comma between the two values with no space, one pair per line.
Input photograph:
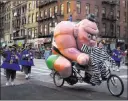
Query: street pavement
[41,75]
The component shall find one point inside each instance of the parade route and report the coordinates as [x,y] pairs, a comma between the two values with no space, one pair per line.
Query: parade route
[36,90]
[41,80]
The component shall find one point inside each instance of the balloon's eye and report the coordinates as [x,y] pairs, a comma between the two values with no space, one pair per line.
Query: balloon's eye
[89,36]
[92,37]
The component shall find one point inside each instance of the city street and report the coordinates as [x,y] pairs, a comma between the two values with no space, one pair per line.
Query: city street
[70,28]
[41,86]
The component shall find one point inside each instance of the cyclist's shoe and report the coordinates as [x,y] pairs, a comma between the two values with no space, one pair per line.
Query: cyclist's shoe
[87,78]
[104,78]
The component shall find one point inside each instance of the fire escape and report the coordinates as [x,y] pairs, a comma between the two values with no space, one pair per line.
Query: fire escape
[109,19]
[44,18]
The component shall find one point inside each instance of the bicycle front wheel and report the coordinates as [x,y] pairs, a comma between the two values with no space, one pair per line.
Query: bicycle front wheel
[115,85]
[58,80]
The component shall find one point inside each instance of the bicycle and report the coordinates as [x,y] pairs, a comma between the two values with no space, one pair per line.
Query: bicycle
[74,79]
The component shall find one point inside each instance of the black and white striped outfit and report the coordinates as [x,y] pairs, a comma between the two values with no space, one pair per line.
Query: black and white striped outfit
[97,56]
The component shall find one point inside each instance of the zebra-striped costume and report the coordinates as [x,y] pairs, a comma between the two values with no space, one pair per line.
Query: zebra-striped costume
[97,56]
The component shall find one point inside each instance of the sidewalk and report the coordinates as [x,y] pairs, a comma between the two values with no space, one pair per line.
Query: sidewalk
[36,90]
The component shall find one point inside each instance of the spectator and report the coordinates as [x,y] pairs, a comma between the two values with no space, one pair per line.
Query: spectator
[126,58]
[117,56]
[47,53]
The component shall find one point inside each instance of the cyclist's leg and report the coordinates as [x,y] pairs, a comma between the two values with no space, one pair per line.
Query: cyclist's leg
[60,64]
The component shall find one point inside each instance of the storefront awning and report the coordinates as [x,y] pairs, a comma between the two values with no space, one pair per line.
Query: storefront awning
[40,40]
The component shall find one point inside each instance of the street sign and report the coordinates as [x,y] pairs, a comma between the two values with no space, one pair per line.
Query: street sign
[19,44]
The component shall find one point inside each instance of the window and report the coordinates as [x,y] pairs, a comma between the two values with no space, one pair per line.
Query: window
[11,37]
[98,25]
[42,13]
[118,15]
[50,12]
[45,29]
[41,28]
[29,6]
[112,28]
[78,5]
[125,30]
[29,32]
[87,9]
[37,15]
[35,33]
[125,18]
[22,32]
[111,13]
[55,9]
[96,11]
[23,9]
[50,24]
[33,4]
[18,23]
[118,30]
[103,11]
[62,9]
[29,19]
[68,7]
[125,3]
[104,28]
[32,18]
[23,20]
[45,12]
[55,23]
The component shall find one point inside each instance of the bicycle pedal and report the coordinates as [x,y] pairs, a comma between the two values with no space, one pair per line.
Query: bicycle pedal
[80,80]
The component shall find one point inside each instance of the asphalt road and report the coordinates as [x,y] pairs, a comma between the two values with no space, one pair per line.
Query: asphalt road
[40,79]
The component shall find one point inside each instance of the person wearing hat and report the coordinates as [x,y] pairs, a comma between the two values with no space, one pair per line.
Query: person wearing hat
[117,56]
[11,64]
[4,48]
[27,60]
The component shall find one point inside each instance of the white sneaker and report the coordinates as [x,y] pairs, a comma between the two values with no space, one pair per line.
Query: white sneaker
[7,83]
[12,83]
[26,77]
[117,70]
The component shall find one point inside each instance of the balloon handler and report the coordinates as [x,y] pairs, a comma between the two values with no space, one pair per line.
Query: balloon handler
[11,63]
[26,60]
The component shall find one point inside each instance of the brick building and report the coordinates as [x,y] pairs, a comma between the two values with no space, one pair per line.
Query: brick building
[47,18]
[111,17]
[23,24]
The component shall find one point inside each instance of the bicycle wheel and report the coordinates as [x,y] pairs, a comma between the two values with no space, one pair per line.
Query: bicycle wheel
[115,85]
[58,80]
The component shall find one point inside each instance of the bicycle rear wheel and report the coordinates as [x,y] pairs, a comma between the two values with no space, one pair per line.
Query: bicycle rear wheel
[58,80]
[115,85]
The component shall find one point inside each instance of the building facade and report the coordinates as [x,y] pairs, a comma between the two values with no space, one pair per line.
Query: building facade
[34,21]
[48,10]
[6,22]
[1,23]
[111,17]
[19,21]
[32,24]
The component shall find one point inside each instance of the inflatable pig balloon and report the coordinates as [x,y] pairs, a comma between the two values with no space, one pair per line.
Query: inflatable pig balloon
[67,43]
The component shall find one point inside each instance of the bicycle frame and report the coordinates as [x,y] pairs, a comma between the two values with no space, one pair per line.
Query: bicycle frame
[74,69]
